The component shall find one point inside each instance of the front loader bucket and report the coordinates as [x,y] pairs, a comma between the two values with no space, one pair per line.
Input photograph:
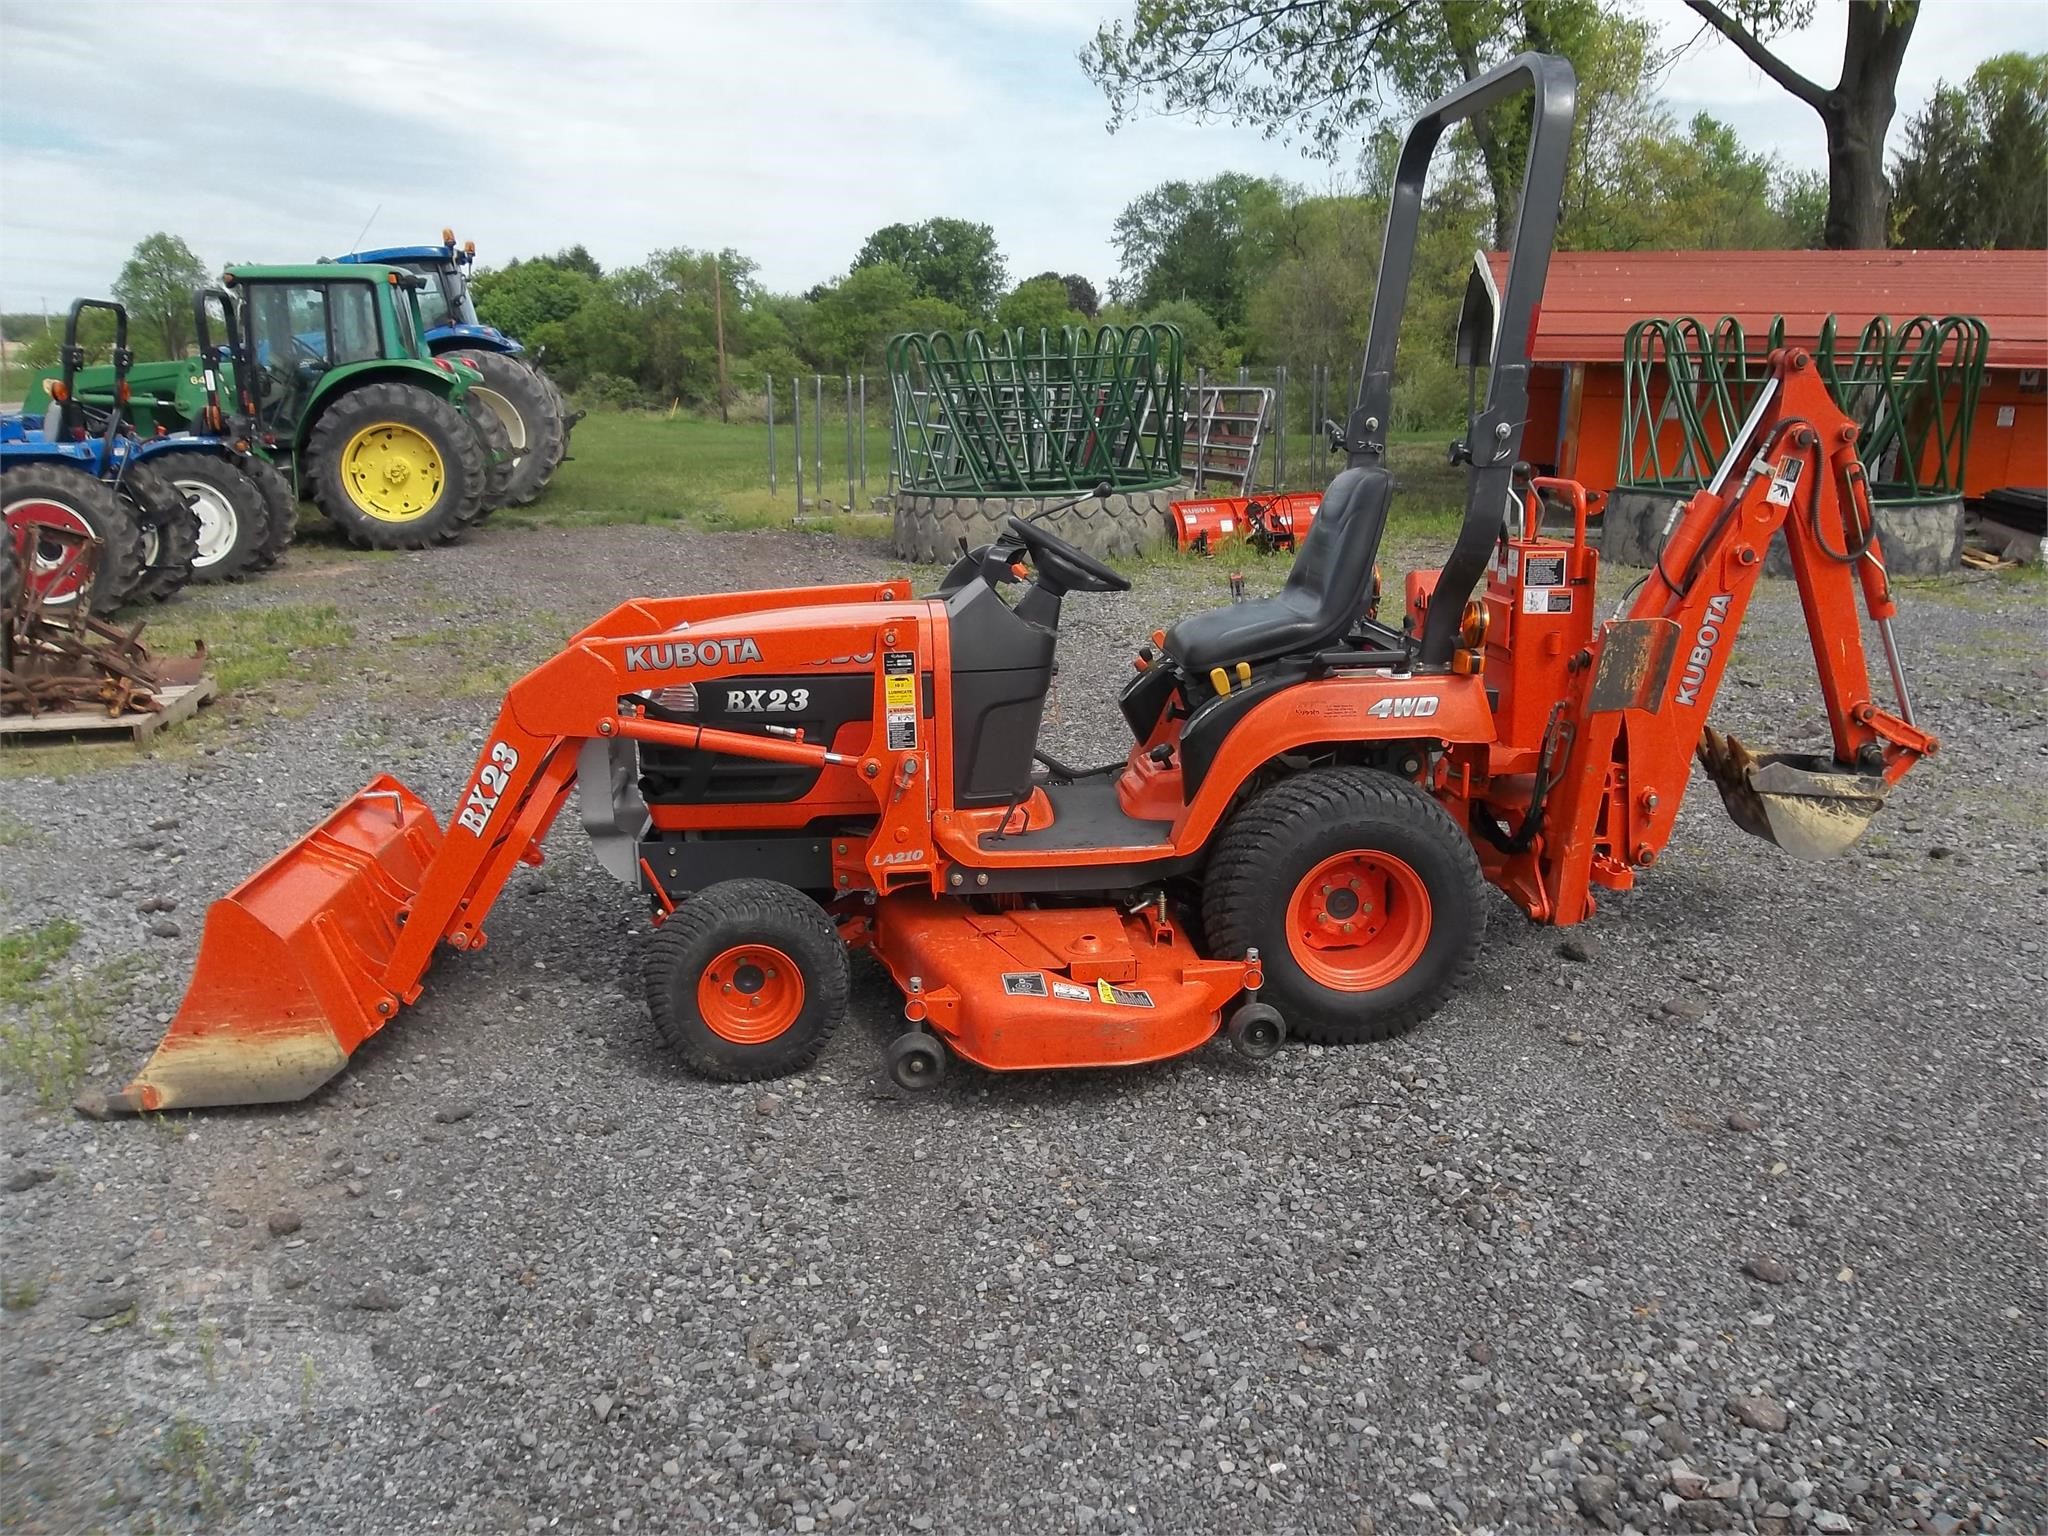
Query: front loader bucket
[290,978]
[1811,807]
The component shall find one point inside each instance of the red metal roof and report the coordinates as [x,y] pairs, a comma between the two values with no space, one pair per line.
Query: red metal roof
[1593,297]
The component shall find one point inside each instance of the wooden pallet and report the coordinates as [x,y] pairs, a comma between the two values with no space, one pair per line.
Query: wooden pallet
[179,703]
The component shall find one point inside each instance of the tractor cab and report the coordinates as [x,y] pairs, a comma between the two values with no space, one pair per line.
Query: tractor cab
[304,324]
[447,311]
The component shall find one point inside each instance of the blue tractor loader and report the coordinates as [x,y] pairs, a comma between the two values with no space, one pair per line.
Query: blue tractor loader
[79,469]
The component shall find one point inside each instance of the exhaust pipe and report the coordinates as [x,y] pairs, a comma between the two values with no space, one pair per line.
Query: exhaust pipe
[1810,806]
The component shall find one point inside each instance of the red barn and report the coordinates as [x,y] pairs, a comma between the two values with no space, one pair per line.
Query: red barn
[1593,297]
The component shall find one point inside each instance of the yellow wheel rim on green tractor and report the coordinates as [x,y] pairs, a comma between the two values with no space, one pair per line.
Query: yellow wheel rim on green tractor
[392,472]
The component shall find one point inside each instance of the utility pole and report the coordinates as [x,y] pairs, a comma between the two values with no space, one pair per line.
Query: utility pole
[718,323]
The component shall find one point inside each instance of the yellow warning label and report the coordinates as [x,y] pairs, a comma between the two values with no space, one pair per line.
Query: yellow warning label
[900,692]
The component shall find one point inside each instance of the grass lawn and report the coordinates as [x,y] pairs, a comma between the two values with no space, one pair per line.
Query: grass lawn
[643,467]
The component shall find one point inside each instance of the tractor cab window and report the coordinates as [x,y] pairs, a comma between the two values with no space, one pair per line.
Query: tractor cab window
[288,331]
[300,331]
[435,304]
[406,311]
[352,313]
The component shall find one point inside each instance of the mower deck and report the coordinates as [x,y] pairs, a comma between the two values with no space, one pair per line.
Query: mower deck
[1053,987]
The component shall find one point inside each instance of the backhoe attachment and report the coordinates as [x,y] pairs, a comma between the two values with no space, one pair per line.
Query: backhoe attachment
[1808,805]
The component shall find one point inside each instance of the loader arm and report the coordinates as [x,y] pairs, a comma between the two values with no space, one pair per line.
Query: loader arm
[1637,719]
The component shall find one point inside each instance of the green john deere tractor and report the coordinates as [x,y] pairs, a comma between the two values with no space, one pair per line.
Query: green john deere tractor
[333,381]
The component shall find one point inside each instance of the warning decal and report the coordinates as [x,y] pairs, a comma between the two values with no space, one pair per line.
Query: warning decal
[1785,481]
[1546,600]
[1122,997]
[1072,992]
[899,680]
[1544,571]
[1024,983]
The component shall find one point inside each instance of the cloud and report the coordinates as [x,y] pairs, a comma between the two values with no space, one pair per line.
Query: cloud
[787,131]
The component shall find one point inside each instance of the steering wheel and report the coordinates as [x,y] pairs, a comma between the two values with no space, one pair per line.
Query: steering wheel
[1061,567]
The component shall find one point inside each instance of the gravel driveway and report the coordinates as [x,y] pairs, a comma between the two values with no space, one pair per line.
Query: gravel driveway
[1722,1212]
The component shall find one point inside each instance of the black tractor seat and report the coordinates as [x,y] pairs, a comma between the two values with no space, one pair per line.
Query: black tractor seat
[1326,591]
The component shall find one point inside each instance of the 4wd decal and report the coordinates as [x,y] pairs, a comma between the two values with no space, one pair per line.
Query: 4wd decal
[1406,706]
[482,801]
[767,701]
[671,654]
[1695,675]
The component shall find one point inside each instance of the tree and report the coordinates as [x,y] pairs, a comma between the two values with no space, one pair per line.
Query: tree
[578,259]
[1856,112]
[1974,172]
[1082,295]
[1202,343]
[156,286]
[1331,68]
[854,319]
[1311,307]
[1039,304]
[1195,241]
[949,259]
[523,297]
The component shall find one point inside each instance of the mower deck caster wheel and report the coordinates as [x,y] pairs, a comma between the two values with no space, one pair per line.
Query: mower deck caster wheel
[915,1061]
[1256,1031]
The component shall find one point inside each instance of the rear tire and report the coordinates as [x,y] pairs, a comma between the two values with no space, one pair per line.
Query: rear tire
[747,979]
[170,534]
[535,427]
[1362,896]
[395,466]
[72,498]
[233,520]
[499,462]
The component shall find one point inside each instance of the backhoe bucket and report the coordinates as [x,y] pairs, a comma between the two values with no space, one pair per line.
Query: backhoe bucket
[1811,807]
[290,978]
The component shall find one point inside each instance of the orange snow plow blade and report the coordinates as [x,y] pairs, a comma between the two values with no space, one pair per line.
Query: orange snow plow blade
[290,978]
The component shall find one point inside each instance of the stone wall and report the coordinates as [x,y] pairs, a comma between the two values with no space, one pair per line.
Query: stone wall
[1122,525]
[1923,539]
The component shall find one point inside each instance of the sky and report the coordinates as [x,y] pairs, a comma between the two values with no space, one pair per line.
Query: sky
[787,131]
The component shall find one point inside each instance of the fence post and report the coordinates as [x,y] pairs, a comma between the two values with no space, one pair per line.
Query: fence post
[846,379]
[771,434]
[863,435]
[818,432]
[796,396]
[1280,453]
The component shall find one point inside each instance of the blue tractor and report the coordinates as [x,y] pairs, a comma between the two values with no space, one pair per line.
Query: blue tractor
[522,397]
[80,470]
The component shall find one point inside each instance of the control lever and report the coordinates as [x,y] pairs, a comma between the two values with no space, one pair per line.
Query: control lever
[1103,488]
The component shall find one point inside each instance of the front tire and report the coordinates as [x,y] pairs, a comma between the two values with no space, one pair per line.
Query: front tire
[396,466]
[1362,896]
[170,534]
[68,498]
[747,979]
[531,413]
[233,520]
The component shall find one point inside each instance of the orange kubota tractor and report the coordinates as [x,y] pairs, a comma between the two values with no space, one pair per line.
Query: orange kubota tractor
[1297,841]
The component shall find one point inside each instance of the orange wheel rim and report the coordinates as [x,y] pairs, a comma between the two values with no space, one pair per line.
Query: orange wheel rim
[1358,921]
[750,994]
